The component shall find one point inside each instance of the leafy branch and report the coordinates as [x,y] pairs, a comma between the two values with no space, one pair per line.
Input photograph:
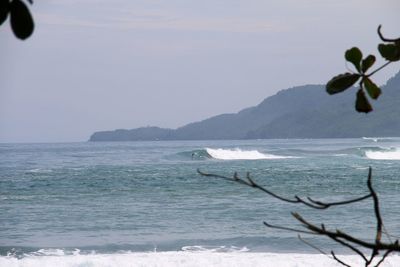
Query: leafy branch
[390,51]
[340,237]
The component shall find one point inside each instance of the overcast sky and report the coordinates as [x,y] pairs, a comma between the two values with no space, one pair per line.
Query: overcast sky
[105,64]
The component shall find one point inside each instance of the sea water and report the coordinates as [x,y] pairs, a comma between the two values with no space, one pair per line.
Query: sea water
[144,204]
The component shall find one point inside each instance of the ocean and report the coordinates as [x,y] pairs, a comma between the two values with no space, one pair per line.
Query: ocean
[144,204]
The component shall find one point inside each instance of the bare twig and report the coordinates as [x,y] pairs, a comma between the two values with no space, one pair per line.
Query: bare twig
[297,200]
[289,229]
[383,257]
[345,202]
[340,237]
[378,69]
[376,208]
[389,235]
[353,248]
[378,236]
[344,236]
[384,230]
[311,245]
[338,260]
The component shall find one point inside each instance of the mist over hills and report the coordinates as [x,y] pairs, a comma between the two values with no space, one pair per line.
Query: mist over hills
[299,112]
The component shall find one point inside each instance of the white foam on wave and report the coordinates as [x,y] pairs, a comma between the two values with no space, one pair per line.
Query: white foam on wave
[379,139]
[232,154]
[39,171]
[383,155]
[54,252]
[188,259]
[214,249]
[375,139]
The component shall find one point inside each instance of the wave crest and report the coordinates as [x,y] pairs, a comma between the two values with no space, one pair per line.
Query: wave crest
[214,249]
[236,154]
[383,155]
[381,139]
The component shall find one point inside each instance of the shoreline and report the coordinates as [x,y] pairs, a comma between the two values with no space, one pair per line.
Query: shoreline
[187,259]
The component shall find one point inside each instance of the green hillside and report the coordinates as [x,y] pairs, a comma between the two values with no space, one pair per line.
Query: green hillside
[299,112]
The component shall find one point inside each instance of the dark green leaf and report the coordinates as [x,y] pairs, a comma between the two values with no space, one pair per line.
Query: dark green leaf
[372,89]
[4,10]
[390,52]
[21,20]
[362,103]
[341,82]
[354,56]
[367,63]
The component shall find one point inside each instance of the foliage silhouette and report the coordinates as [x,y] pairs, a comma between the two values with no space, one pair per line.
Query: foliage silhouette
[389,50]
[21,20]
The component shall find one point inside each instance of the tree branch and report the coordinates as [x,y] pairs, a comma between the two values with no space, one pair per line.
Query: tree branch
[289,229]
[376,208]
[345,202]
[383,257]
[338,260]
[311,245]
[297,200]
[338,236]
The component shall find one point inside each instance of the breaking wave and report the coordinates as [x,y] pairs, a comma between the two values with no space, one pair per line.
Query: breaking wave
[381,139]
[202,258]
[374,139]
[199,154]
[390,154]
[214,249]
[236,154]
[367,152]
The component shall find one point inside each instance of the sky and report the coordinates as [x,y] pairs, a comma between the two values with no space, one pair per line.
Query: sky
[96,65]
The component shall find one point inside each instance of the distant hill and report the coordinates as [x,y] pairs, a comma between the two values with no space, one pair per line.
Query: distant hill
[299,112]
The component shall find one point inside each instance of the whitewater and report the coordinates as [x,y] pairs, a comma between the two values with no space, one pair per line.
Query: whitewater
[238,154]
[389,154]
[187,259]
[144,204]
